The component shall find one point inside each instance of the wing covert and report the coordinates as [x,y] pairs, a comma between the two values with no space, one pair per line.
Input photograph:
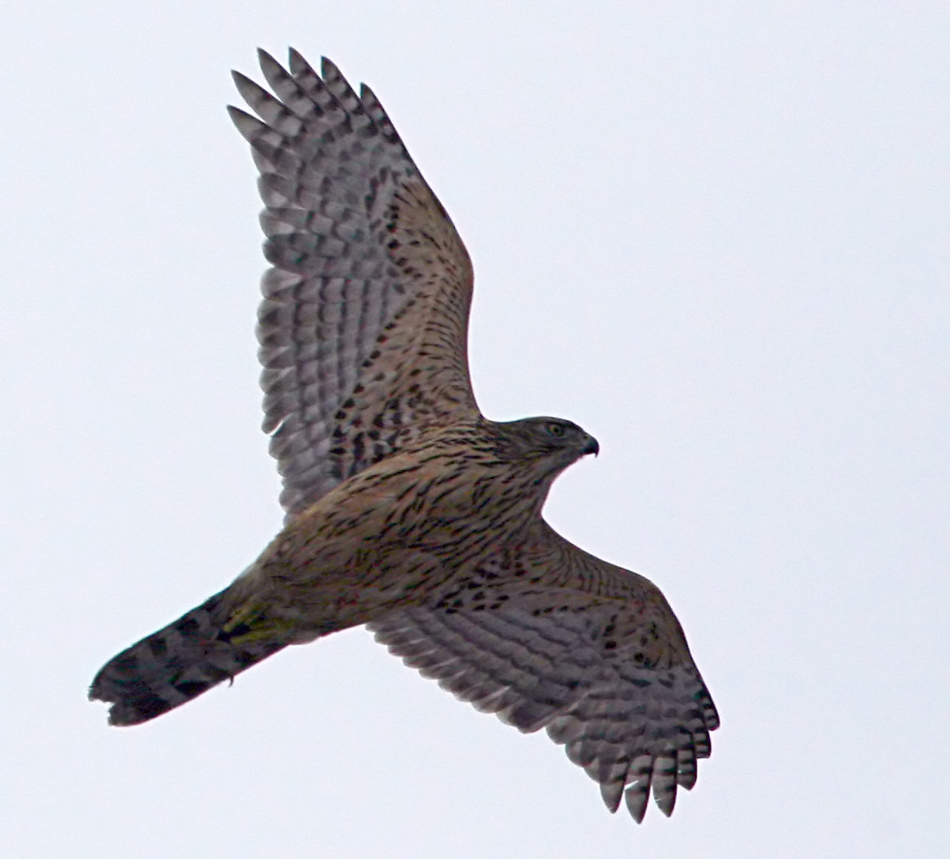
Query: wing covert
[546,635]
[363,325]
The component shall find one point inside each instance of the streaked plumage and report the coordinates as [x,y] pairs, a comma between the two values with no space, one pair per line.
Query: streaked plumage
[406,509]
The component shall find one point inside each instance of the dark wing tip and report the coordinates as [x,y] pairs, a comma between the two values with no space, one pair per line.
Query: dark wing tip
[298,64]
[265,58]
[249,127]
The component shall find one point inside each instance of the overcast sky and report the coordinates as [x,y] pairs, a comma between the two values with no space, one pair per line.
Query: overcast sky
[717,236]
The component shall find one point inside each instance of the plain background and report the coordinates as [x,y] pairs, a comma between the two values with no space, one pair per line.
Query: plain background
[714,234]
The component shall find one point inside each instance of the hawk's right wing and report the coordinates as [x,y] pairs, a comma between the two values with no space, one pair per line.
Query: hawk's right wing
[365,312]
[590,651]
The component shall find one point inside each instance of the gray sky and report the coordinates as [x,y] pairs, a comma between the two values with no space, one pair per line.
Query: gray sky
[716,236]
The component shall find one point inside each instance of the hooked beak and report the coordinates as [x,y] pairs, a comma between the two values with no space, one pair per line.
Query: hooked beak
[591,447]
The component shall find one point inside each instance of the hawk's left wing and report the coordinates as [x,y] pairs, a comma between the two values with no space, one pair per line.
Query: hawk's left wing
[364,320]
[590,651]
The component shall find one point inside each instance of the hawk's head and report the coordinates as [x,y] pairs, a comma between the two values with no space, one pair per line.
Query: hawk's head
[553,443]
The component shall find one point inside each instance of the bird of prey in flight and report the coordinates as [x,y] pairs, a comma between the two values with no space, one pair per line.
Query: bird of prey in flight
[406,509]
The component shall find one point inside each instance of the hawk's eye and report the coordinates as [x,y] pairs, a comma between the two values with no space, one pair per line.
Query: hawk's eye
[556,430]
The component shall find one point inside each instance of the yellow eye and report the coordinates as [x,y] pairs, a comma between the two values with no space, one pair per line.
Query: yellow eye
[556,430]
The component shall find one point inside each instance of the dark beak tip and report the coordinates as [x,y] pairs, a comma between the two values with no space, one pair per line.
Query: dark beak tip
[592,447]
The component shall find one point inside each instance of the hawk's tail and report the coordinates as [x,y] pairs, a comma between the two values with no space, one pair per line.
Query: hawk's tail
[202,648]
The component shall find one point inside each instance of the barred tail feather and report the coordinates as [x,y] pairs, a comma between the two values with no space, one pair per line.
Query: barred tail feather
[178,663]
